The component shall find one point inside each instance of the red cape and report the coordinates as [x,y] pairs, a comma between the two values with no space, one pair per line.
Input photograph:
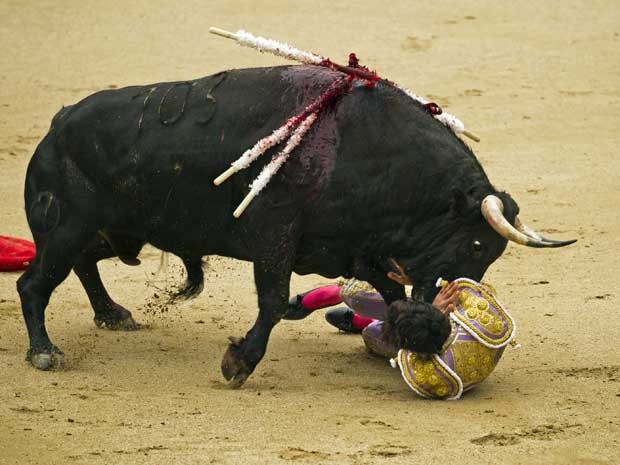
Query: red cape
[15,254]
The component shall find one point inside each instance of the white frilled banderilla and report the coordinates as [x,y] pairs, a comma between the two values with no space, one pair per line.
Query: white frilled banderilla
[263,44]
[276,162]
[294,128]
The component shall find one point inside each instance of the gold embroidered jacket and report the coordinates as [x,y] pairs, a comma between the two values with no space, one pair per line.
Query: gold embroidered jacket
[481,330]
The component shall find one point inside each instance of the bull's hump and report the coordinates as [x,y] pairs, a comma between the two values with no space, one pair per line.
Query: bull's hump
[308,76]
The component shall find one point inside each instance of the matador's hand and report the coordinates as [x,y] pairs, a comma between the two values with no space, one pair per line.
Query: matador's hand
[446,299]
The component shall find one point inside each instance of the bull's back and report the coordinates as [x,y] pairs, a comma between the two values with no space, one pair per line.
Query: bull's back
[147,155]
[150,153]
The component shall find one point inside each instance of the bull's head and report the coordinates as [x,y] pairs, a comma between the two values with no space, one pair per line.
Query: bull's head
[467,239]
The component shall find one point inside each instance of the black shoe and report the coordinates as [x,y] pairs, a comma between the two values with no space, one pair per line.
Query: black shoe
[342,318]
[296,310]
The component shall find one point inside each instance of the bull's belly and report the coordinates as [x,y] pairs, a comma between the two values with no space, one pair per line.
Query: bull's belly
[187,238]
[322,258]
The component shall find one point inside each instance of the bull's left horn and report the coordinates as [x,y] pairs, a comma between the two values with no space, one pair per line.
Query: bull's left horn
[534,235]
[493,211]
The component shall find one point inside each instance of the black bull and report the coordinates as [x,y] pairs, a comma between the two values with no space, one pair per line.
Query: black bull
[376,177]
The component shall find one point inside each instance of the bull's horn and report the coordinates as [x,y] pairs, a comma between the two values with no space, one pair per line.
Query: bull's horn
[493,211]
[533,234]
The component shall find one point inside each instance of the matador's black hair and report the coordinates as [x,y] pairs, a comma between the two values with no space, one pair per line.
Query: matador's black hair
[416,326]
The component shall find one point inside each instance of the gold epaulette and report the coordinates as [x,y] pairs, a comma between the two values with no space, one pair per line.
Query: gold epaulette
[429,377]
[482,315]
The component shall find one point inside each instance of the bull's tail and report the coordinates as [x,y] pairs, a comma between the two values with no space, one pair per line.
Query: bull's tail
[42,205]
[43,213]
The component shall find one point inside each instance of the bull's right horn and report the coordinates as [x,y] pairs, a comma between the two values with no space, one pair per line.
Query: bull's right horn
[493,211]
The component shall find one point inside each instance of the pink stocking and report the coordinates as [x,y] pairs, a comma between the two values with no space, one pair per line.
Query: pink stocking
[322,297]
[360,322]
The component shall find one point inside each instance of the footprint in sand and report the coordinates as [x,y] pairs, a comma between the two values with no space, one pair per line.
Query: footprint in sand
[416,44]
[297,453]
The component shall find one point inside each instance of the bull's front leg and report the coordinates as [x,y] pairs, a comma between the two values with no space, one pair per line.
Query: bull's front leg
[272,274]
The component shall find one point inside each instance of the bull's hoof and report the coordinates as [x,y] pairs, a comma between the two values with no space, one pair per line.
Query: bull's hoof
[234,368]
[126,324]
[54,359]
[116,318]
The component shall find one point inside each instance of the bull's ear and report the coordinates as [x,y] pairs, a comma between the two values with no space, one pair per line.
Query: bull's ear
[462,204]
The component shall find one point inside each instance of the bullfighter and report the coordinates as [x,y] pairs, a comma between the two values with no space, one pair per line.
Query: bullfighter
[442,349]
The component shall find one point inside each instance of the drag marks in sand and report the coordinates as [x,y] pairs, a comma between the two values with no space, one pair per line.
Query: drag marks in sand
[373,452]
[546,432]
[604,373]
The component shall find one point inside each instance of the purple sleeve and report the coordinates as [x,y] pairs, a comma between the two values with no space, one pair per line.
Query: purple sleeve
[373,338]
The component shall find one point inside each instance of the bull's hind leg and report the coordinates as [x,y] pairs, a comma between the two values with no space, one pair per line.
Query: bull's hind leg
[57,252]
[108,314]
[272,274]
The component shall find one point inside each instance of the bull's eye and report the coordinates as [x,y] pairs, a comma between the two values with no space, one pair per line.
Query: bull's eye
[476,248]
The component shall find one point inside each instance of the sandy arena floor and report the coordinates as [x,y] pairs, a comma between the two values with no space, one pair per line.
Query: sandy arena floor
[538,81]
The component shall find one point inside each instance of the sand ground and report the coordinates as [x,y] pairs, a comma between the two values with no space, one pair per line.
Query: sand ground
[538,81]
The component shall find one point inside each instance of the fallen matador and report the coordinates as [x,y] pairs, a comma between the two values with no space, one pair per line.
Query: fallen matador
[442,350]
